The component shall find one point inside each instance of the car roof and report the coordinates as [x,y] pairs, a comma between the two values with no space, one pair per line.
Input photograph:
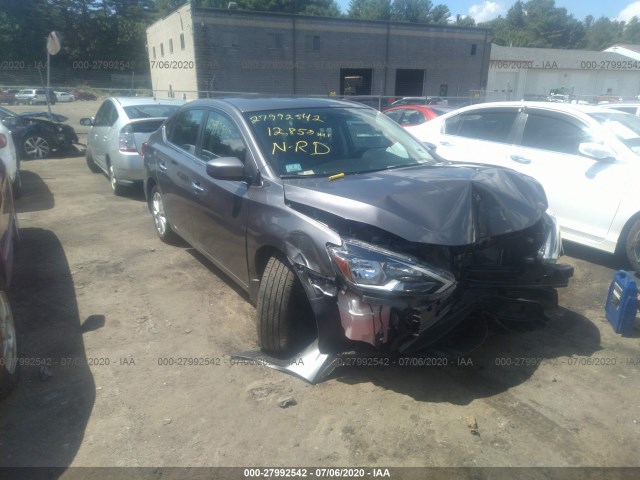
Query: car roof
[133,101]
[620,104]
[560,107]
[255,104]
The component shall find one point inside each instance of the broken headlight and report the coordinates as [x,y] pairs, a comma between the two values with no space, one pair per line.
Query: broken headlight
[369,267]
[551,249]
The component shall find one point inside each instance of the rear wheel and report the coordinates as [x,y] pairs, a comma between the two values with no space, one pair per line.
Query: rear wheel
[8,348]
[285,321]
[632,246]
[160,220]
[91,164]
[117,188]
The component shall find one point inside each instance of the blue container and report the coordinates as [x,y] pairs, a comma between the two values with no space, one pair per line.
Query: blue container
[622,302]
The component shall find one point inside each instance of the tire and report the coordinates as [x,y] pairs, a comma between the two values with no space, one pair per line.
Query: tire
[9,370]
[91,164]
[16,185]
[117,188]
[160,220]
[285,321]
[36,146]
[632,246]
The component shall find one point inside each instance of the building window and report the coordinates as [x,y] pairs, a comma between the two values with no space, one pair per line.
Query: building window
[277,40]
[171,45]
[474,47]
[154,53]
[182,41]
[312,43]
[161,50]
[230,39]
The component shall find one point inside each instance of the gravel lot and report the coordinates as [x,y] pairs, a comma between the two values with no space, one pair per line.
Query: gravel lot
[101,301]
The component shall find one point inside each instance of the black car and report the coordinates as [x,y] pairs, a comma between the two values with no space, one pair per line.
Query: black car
[38,134]
[345,231]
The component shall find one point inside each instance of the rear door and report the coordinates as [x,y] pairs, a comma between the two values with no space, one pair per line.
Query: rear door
[176,162]
[583,192]
[99,133]
[478,136]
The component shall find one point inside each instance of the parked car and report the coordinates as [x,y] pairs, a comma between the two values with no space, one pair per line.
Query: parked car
[628,107]
[407,115]
[120,127]
[38,134]
[10,160]
[420,101]
[80,95]
[8,96]
[34,96]
[343,228]
[8,235]
[607,98]
[585,157]
[64,97]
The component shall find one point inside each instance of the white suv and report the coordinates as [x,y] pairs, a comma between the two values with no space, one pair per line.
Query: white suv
[587,159]
[10,159]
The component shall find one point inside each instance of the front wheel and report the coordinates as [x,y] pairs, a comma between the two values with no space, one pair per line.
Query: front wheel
[160,220]
[36,146]
[632,246]
[285,321]
[8,348]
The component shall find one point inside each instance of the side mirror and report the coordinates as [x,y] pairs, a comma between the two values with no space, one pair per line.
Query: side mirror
[596,151]
[430,146]
[87,122]
[226,168]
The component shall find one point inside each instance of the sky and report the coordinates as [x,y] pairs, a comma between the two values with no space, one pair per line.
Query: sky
[485,10]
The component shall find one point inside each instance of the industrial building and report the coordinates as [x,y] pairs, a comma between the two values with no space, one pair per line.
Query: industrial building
[516,73]
[198,52]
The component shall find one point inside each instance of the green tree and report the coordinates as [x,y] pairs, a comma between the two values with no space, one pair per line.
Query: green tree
[370,9]
[631,32]
[603,33]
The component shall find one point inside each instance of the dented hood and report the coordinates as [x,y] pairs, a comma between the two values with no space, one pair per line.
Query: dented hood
[444,205]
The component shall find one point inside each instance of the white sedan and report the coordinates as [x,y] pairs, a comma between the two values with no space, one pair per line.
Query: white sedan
[64,97]
[587,159]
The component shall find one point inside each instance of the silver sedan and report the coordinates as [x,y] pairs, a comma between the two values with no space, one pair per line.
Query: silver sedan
[118,130]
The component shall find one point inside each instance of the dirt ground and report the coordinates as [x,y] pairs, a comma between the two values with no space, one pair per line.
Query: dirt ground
[102,303]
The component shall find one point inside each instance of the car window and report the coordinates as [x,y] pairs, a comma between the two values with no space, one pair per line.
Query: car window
[493,126]
[625,109]
[150,111]
[625,127]
[394,115]
[412,117]
[548,132]
[105,115]
[221,138]
[183,129]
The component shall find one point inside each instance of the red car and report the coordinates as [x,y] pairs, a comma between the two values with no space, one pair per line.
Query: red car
[408,115]
[8,235]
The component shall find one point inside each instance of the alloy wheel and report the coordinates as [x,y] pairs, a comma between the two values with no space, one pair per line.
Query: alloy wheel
[36,147]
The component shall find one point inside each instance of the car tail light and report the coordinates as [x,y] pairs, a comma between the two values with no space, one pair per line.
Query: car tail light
[127,140]
[3,140]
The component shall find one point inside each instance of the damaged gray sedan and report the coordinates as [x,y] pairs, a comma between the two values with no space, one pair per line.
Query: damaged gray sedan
[346,232]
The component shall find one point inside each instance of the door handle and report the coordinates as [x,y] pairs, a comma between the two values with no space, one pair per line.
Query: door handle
[446,144]
[196,187]
[162,167]
[519,159]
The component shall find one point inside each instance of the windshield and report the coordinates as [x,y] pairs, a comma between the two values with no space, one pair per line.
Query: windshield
[333,141]
[150,111]
[623,125]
